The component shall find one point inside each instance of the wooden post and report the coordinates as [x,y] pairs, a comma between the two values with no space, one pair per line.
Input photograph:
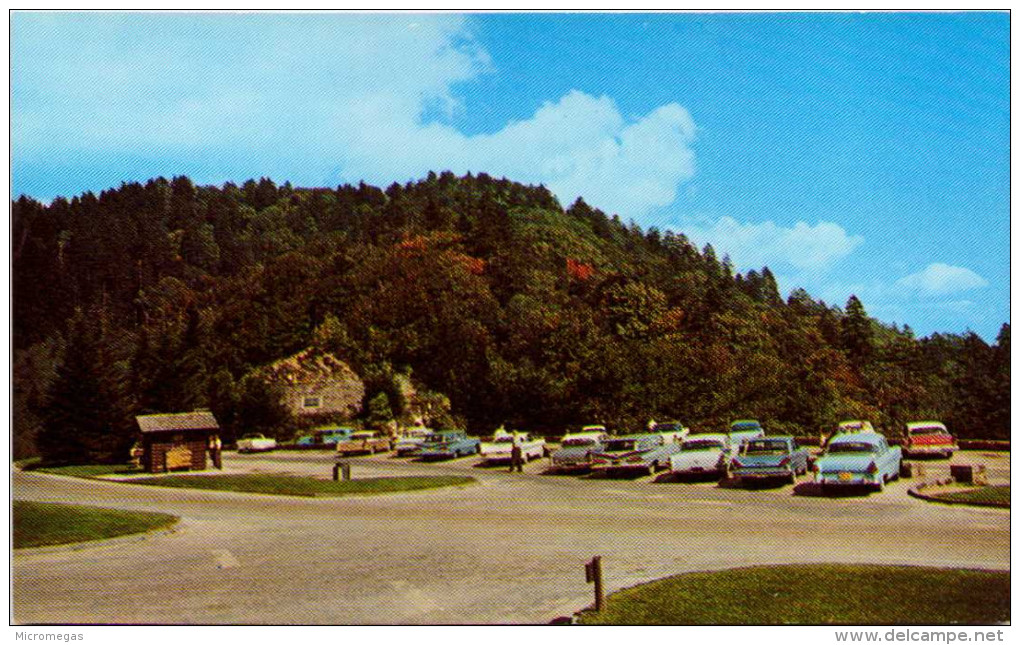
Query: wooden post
[593,573]
[344,468]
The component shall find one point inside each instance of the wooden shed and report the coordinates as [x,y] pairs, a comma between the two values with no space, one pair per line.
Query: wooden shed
[176,441]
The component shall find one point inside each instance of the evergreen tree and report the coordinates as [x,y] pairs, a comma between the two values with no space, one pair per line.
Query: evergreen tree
[190,370]
[856,334]
[86,420]
[260,408]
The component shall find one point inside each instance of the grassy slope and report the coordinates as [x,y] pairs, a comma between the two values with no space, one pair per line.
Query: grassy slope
[44,524]
[303,486]
[983,495]
[815,594]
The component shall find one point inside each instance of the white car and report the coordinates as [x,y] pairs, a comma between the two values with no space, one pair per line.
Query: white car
[706,453]
[849,427]
[671,431]
[255,443]
[500,449]
[576,449]
[742,431]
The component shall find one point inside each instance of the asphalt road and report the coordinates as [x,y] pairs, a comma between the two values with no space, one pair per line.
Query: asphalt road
[510,549]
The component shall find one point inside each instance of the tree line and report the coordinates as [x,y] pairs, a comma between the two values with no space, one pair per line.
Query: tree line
[167,296]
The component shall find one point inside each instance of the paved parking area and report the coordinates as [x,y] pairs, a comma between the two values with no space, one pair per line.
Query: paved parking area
[508,550]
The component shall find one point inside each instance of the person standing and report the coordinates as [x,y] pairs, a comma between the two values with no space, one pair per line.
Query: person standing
[216,449]
[516,458]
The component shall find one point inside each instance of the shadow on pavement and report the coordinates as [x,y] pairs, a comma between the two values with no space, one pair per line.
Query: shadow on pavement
[678,478]
[814,489]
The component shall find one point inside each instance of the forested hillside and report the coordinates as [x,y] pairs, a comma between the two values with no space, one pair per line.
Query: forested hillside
[166,296]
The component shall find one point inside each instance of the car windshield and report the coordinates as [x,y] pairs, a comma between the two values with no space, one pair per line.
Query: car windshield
[760,447]
[666,427]
[435,438]
[928,430]
[579,441]
[617,445]
[504,439]
[704,444]
[744,426]
[851,446]
[855,426]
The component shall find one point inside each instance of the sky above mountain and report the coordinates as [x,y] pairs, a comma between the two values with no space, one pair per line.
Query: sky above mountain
[851,153]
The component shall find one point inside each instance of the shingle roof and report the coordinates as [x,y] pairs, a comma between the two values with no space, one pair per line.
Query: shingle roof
[199,420]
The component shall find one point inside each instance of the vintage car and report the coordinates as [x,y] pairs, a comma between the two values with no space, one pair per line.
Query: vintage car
[671,431]
[856,425]
[364,442]
[630,453]
[858,459]
[576,450]
[742,430]
[255,442]
[925,438]
[324,437]
[847,427]
[411,441]
[500,449]
[448,445]
[705,453]
[768,458]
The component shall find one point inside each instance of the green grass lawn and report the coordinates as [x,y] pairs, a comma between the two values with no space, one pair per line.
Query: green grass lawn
[85,470]
[814,594]
[303,486]
[986,495]
[44,524]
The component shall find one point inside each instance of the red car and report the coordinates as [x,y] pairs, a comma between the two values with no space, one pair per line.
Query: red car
[928,438]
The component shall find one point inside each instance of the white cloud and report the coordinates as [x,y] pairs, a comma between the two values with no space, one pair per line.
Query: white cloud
[941,279]
[579,145]
[752,245]
[317,100]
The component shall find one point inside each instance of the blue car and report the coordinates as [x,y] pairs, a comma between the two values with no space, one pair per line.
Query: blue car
[448,445]
[325,437]
[768,458]
[858,459]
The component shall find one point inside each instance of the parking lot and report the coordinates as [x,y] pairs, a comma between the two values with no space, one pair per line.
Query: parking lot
[507,550]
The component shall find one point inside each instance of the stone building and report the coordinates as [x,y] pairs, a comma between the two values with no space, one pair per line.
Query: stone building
[316,386]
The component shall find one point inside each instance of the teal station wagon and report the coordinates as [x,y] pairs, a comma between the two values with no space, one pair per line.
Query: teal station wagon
[770,457]
[448,445]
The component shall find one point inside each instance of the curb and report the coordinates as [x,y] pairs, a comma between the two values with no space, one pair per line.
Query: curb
[915,491]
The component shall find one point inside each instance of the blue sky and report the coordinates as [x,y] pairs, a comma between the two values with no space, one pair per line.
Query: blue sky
[851,153]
